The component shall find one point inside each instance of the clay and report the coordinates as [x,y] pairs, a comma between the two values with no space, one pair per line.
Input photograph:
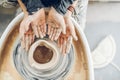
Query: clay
[42,54]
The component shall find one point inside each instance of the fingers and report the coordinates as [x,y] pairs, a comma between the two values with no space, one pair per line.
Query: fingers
[73,33]
[33,37]
[41,27]
[22,37]
[44,29]
[27,39]
[26,42]
[21,32]
[64,43]
[39,30]
[61,42]
[30,39]
[35,30]
[23,42]
[64,46]
[70,26]
[51,33]
[57,34]
[27,23]
[49,28]
[54,32]
[68,44]
[58,42]
[40,33]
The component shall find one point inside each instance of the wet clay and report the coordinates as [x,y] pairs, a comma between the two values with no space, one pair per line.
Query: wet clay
[42,54]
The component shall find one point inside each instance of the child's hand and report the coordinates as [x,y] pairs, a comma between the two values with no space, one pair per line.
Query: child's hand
[39,24]
[56,24]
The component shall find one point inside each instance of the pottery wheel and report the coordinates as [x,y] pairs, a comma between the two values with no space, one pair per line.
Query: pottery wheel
[59,71]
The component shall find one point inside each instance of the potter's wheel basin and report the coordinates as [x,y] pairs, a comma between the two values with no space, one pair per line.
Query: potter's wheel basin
[82,67]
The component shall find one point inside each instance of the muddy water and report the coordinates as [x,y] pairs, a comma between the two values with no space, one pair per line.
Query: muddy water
[42,54]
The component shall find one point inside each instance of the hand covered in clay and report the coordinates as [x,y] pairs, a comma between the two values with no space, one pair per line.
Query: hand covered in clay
[38,23]
[56,24]
[26,32]
[31,26]
[65,40]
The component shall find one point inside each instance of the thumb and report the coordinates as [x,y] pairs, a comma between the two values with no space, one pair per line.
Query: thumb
[64,29]
[63,26]
[21,31]
[27,26]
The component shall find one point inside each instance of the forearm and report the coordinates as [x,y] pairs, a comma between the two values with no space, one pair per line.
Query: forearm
[63,5]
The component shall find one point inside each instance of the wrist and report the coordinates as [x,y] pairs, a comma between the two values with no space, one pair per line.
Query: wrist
[71,9]
[68,13]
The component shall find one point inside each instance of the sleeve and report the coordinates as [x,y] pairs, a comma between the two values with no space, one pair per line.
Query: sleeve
[33,6]
[62,6]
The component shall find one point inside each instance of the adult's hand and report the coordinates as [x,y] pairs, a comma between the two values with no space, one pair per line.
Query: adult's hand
[38,23]
[56,24]
[26,32]
[31,26]
[65,40]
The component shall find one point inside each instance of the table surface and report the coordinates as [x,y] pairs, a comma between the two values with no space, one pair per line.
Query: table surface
[103,19]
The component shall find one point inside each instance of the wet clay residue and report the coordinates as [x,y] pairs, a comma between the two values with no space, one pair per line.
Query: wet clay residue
[42,54]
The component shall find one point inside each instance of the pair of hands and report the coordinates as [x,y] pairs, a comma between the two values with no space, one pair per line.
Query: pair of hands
[59,28]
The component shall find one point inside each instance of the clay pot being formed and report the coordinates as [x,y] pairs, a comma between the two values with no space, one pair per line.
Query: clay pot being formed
[49,64]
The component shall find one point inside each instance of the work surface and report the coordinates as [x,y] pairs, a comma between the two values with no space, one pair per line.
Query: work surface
[103,19]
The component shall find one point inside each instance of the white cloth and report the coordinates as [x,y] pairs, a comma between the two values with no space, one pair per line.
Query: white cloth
[104,53]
